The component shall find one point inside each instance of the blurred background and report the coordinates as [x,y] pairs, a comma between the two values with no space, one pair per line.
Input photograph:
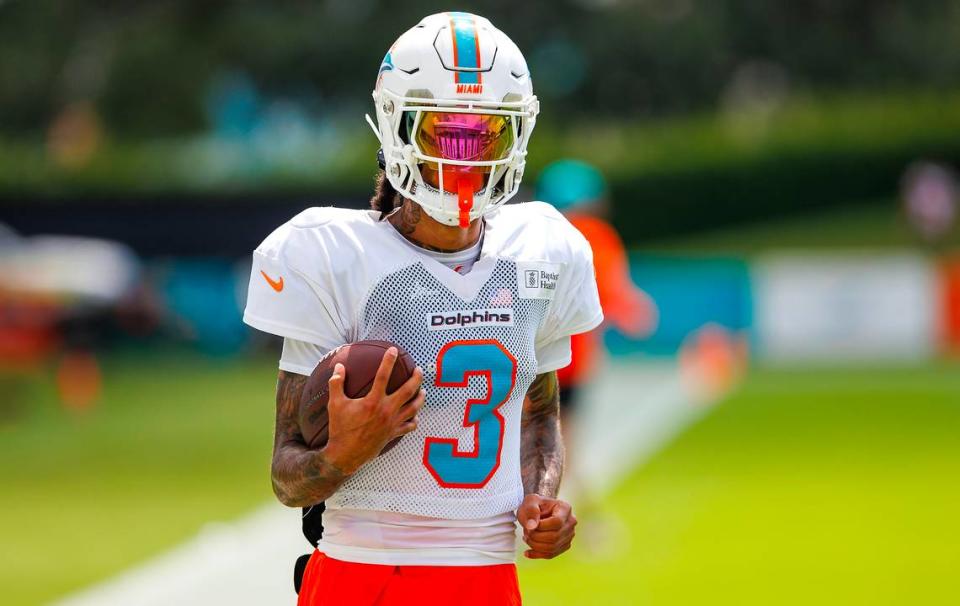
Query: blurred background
[782,174]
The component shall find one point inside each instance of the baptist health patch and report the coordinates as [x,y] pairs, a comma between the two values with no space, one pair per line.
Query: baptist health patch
[537,279]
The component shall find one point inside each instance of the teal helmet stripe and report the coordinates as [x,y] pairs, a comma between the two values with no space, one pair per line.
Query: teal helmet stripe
[466,51]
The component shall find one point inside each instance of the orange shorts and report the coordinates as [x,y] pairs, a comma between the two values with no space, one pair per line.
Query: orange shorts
[330,582]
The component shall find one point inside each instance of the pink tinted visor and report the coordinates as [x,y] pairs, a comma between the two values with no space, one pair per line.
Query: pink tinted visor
[465,136]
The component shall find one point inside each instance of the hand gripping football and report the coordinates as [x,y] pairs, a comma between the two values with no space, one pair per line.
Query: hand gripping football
[361,361]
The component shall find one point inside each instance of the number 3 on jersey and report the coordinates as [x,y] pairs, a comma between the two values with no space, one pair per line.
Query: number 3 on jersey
[456,363]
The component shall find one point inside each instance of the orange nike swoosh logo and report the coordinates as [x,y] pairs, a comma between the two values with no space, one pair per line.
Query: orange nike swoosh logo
[276,285]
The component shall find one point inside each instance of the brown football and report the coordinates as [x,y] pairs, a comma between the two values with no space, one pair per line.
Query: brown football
[361,361]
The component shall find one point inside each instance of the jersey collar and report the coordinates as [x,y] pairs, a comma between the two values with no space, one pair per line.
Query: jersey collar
[466,286]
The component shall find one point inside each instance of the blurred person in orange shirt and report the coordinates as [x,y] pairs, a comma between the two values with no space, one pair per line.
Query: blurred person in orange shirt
[579,191]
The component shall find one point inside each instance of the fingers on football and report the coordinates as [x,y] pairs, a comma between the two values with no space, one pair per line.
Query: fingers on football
[409,389]
[336,382]
[384,371]
[409,410]
[405,428]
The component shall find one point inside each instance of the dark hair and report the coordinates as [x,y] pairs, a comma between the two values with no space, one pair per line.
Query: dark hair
[385,197]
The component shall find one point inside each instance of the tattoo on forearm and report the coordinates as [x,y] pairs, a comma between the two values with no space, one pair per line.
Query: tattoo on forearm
[301,477]
[541,444]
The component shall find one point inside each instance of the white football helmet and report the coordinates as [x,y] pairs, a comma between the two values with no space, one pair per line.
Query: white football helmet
[455,108]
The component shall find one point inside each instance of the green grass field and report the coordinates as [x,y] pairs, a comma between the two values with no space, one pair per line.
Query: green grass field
[178,441]
[819,486]
[805,487]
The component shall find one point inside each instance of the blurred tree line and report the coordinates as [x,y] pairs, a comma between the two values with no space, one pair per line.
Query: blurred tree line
[147,66]
[702,113]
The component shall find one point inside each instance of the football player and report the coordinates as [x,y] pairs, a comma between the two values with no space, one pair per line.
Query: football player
[579,191]
[484,297]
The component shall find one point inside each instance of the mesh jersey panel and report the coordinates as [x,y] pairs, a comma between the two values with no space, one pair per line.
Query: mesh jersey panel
[397,310]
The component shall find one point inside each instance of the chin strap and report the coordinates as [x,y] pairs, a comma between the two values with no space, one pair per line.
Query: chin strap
[465,200]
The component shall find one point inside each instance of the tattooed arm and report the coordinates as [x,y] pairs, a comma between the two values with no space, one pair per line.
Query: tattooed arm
[358,429]
[541,446]
[548,523]
[301,477]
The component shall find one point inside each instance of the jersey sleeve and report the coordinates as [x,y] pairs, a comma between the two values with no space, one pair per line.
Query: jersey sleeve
[284,300]
[575,308]
[554,355]
[300,357]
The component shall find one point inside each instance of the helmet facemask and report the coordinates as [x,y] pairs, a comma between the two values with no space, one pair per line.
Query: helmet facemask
[458,159]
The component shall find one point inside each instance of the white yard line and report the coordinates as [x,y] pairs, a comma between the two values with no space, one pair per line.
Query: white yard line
[249,561]
[632,410]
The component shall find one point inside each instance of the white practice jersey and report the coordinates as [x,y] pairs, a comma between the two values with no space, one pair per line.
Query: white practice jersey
[333,276]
